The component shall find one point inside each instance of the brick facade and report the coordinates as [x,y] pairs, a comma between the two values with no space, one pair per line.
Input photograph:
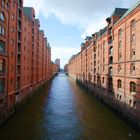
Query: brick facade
[108,63]
[25,55]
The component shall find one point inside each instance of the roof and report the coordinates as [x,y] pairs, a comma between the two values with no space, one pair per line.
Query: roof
[130,10]
[119,12]
[29,12]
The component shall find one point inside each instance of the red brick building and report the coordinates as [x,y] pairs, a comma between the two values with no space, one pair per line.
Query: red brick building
[25,55]
[108,63]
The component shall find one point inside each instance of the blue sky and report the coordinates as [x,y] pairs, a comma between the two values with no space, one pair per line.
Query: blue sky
[67,22]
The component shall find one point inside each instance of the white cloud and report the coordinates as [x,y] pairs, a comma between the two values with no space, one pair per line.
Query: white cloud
[63,53]
[89,15]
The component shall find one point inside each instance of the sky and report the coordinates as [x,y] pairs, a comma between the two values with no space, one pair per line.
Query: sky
[67,22]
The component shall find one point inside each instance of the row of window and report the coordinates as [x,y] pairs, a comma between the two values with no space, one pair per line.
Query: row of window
[132,85]
[132,68]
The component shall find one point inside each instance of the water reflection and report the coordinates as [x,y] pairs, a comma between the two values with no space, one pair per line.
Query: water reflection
[64,111]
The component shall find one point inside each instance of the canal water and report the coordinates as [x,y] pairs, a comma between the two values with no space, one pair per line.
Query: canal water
[64,111]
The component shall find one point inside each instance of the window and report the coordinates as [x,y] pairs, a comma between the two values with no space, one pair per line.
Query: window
[110,70]
[98,49]
[7,6]
[103,80]
[133,53]
[111,50]
[94,63]
[2,85]
[132,67]
[2,47]
[119,68]
[94,70]
[120,34]
[132,87]
[94,56]
[12,42]
[111,60]
[3,3]
[12,16]
[120,44]
[2,17]
[104,44]
[94,49]
[132,24]
[12,29]
[133,39]
[119,85]
[12,54]
[120,55]
[2,66]
[1,30]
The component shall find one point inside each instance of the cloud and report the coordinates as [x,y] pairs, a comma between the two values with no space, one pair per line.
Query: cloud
[88,15]
[63,53]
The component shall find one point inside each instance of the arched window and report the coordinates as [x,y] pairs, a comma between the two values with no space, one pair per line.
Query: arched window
[111,60]
[110,70]
[132,24]
[111,50]
[132,67]
[132,87]
[2,16]
[120,34]
[119,84]
[2,66]
[2,47]
[119,68]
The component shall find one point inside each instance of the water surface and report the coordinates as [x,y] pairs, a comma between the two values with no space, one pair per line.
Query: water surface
[64,111]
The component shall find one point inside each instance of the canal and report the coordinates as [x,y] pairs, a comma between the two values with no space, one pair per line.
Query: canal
[64,111]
